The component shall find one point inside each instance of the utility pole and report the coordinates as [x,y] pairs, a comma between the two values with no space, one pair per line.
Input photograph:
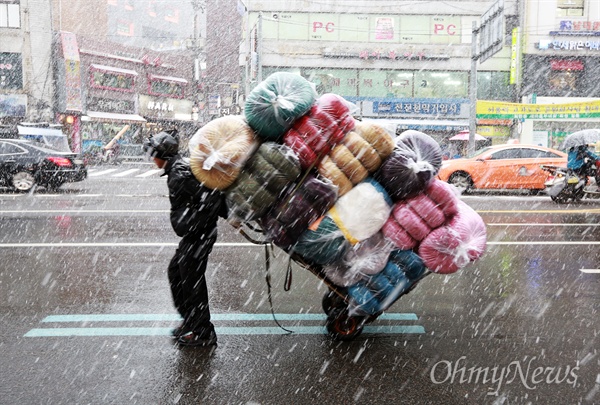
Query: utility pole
[473,90]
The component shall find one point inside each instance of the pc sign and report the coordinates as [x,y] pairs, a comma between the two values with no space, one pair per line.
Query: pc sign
[491,31]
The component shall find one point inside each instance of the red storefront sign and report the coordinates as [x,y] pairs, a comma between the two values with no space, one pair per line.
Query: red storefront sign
[566,64]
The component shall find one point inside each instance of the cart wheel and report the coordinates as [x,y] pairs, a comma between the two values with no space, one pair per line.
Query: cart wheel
[332,301]
[343,327]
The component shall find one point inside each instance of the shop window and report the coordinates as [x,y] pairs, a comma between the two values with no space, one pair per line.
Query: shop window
[494,86]
[569,8]
[563,80]
[441,85]
[113,80]
[10,14]
[399,84]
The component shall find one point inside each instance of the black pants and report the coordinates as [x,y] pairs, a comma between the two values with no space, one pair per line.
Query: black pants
[188,282]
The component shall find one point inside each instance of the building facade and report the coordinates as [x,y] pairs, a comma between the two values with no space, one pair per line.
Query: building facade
[404,62]
[561,62]
[26,85]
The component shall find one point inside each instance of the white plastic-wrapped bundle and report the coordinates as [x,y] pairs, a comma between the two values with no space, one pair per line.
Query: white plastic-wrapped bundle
[453,246]
[219,150]
[362,211]
[366,258]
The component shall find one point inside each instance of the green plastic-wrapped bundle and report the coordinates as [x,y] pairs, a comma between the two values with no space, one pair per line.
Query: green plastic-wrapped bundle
[265,176]
[279,100]
[324,245]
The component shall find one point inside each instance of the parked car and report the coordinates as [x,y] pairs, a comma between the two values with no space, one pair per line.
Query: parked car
[24,164]
[508,166]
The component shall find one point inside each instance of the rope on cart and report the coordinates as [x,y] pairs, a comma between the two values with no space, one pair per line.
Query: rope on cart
[268,279]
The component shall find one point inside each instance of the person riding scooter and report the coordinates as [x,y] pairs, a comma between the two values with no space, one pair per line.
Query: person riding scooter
[582,161]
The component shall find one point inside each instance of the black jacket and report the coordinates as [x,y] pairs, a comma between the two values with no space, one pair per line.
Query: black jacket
[194,208]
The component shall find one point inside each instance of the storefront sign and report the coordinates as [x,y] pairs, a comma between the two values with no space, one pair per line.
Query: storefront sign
[13,105]
[514,56]
[111,105]
[502,110]
[578,28]
[558,45]
[11,71]
[165,108]
[360,28]
[416,107]
[565,64]
[74,100]
[378,54]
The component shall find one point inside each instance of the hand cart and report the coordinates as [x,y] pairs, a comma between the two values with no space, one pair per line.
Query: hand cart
[341,324]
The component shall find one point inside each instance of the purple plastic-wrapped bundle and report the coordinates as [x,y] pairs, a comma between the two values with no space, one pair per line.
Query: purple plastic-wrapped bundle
[299,208]
[453,246]
[410,168]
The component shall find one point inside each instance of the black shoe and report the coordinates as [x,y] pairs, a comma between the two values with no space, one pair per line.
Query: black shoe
[182,329]
[198,340]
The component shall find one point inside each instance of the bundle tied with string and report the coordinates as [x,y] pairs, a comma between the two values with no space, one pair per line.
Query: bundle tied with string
[456,244]
[355,217]
[264,178]
[415,161]
[219,150]
[309,199]
[360,153]
[272,107]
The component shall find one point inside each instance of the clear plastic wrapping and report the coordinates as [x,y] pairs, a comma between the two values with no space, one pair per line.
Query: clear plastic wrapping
[272,107]
[264,178]
[413,164]
[453,246]
[219,150]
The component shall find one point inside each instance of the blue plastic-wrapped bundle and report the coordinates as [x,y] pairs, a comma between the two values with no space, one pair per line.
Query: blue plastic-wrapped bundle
[376,293]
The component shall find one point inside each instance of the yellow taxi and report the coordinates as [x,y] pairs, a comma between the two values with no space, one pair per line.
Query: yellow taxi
[508,166]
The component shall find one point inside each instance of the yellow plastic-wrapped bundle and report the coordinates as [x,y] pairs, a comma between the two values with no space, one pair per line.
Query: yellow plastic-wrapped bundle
[360,153]
[219,150]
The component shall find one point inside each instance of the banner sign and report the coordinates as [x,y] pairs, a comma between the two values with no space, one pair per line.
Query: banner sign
[503,110]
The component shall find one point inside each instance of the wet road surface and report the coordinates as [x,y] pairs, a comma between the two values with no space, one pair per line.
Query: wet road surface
[86,312]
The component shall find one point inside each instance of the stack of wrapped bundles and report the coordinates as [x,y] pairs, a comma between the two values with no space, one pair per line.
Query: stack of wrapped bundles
[362,208]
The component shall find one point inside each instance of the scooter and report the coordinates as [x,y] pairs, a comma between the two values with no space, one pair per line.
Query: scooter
[564,184]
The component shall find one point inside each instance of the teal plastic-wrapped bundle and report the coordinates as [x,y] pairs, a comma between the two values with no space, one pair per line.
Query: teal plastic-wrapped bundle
[279,100]
[324,245]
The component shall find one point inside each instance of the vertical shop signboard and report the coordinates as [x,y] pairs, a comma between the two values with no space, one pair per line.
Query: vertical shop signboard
[73,98]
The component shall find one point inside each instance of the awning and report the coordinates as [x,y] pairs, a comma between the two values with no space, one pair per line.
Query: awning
[168,79]
[112,117]
[420,125]
[113,69]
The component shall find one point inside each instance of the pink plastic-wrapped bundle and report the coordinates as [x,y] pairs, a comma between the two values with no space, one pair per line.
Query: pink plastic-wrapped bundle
[453,246]
[415,218]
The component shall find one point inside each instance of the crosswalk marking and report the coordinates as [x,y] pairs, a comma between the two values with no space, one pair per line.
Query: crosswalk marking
[149,173]
[220,330]
[214,316]
[100,173]
[126,173]
[393,328]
